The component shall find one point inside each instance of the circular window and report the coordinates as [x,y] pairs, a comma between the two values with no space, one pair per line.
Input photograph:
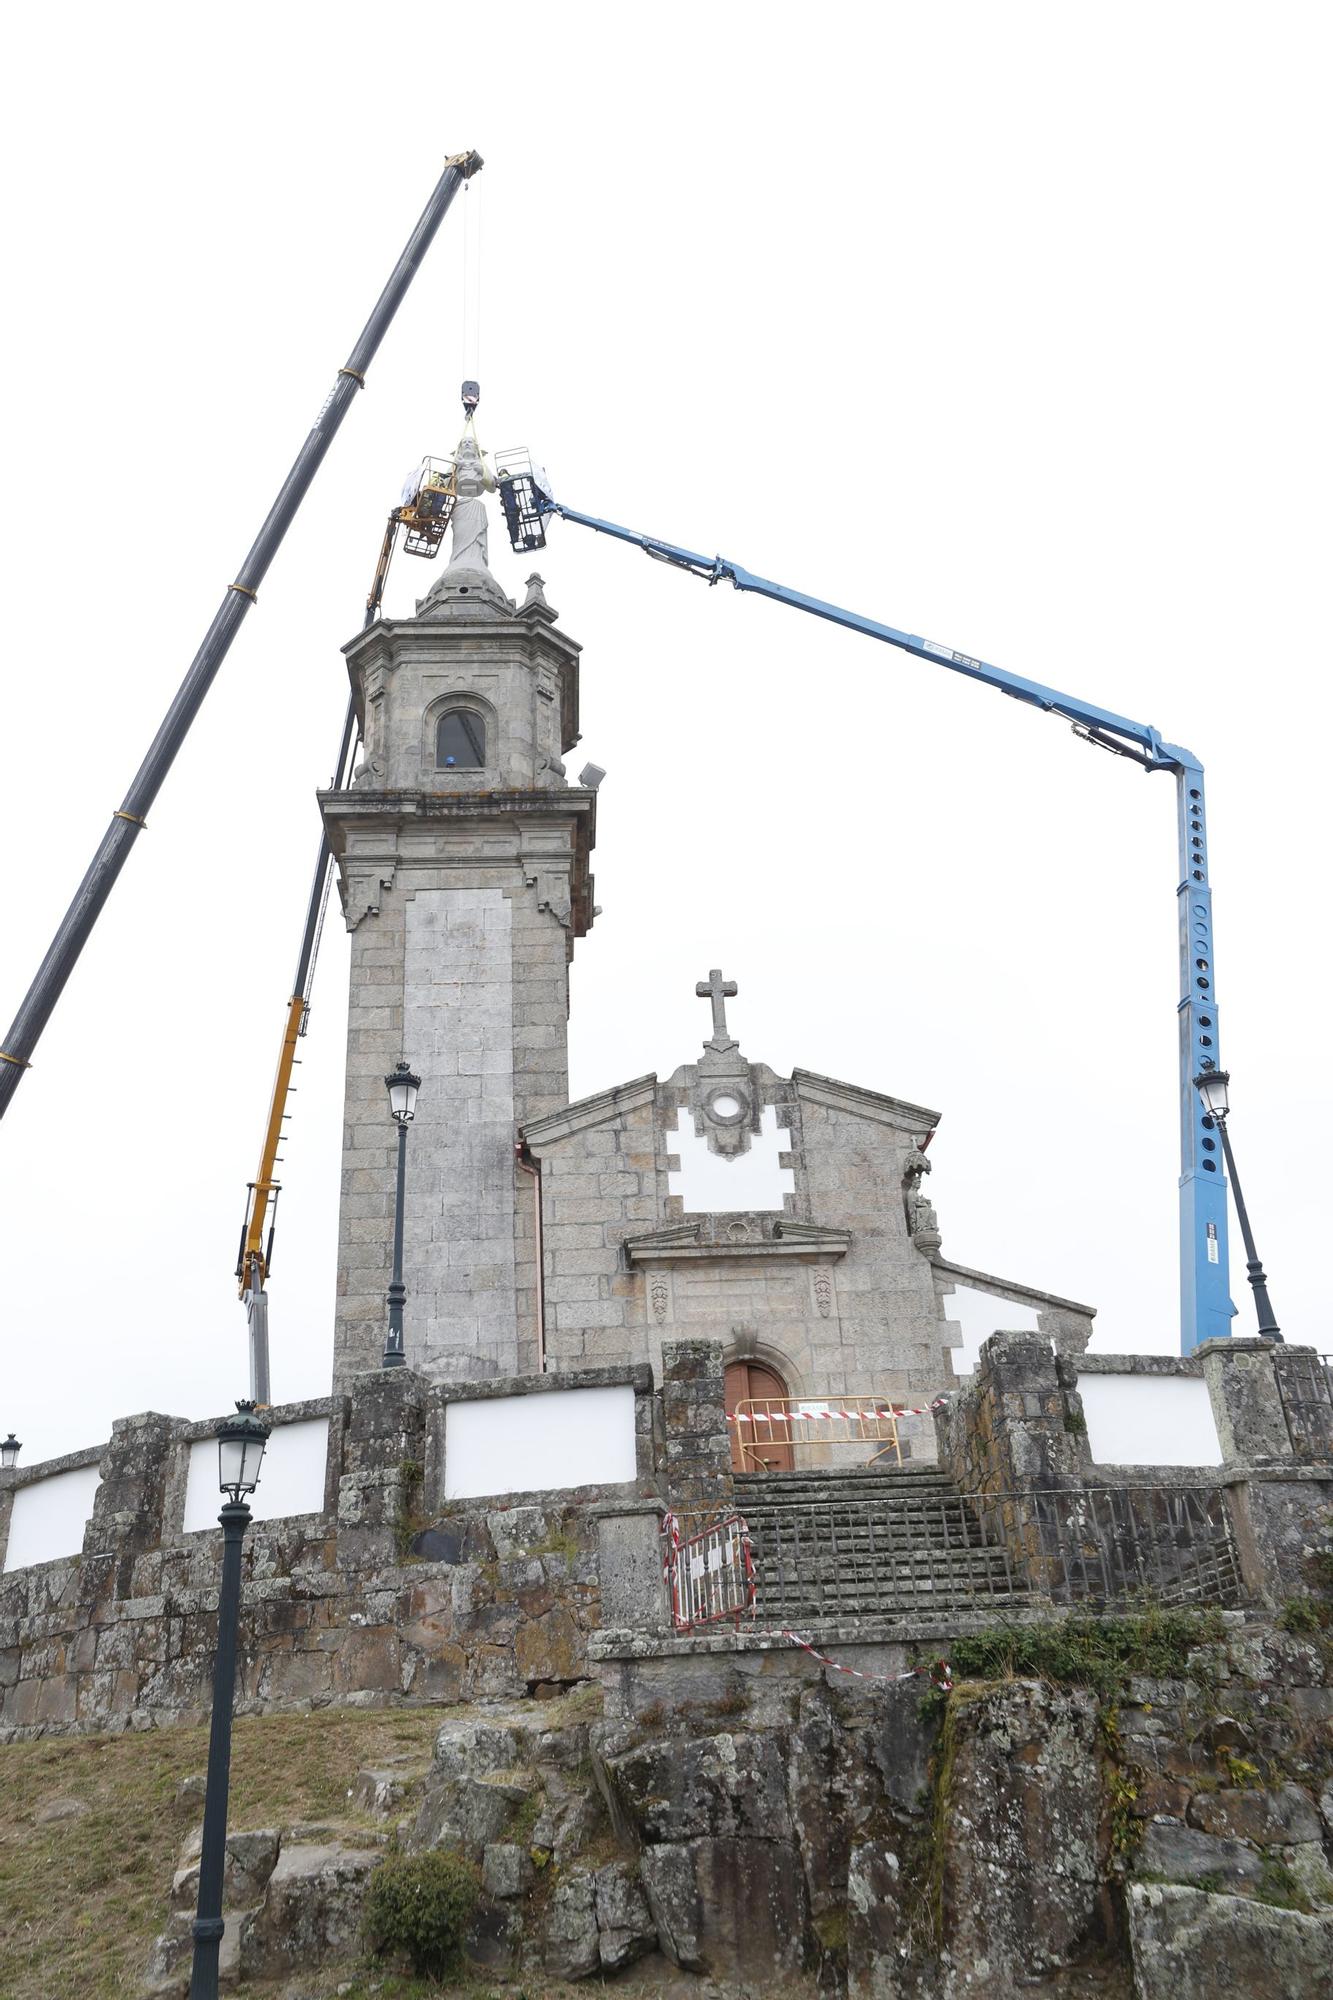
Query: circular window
[725,1107]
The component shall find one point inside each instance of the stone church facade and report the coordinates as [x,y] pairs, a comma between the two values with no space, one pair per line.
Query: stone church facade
[542,1234]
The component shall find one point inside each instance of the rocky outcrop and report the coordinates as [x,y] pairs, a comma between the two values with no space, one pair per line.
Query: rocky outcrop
[1188,1945]
[1022,1852]
[769,1831]
[311,1913]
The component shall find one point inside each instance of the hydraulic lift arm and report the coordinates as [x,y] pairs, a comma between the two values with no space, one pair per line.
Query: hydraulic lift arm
[60,960]
[1205,1303]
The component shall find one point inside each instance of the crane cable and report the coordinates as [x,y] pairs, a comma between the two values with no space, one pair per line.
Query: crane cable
[471,322]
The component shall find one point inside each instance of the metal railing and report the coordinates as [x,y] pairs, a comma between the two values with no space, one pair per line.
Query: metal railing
[762,1422]
[1100,1547]
[1305,1384]
[1115,1545]
[708,1569]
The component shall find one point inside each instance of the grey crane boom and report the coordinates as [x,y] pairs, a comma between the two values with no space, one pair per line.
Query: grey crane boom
[18,1046]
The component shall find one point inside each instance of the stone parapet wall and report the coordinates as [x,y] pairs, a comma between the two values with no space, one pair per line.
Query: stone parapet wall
[1017,1428]
[387,1593]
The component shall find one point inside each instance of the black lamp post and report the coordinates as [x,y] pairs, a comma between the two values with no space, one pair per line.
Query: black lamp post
[9,1453]
[241,1441]
[1211,1085]
[402,1087]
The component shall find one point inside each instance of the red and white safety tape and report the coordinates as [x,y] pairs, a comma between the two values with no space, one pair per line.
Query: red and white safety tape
[939,1671]
[808,1412]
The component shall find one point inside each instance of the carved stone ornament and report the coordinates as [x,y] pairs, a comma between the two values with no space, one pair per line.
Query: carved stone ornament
[364,883]
[659,1296]
[823,1290]
[922,1222]
[553,894]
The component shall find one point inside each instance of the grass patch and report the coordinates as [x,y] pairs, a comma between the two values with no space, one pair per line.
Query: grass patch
[1097,1653]
[1301,1615]
[1279,1887]
[82,1899]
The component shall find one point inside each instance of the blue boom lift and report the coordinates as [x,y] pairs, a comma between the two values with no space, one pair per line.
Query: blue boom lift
[1206,1309]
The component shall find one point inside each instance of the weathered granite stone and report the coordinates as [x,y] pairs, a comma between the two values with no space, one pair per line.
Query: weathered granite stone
[249,1860]
[734,1907]
[570,1949]
[379,1793]
[874,1921]
[1187,1945]
[1020,1816]
[1181,1854]
[1311,1870]
[471,1814]
[674,1902]
[311,1913]
[1285,1816]
[726,1784]
[625,1927]
[506,1870]
[167,1975]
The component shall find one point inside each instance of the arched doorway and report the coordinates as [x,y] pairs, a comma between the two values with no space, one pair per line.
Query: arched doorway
[761,1445]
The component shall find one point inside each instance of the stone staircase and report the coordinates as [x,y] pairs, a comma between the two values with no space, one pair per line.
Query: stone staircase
[869,1545]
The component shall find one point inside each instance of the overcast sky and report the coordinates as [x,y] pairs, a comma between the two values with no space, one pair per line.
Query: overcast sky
[1008,325]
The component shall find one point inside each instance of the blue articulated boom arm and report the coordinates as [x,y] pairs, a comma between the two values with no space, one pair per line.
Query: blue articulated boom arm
[1205,1304]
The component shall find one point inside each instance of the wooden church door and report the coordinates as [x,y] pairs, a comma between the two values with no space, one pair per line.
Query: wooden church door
[768,1441]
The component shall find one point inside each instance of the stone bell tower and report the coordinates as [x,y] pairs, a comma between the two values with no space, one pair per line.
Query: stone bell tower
[463,858]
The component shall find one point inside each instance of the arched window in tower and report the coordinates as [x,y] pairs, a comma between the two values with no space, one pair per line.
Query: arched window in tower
[460,740]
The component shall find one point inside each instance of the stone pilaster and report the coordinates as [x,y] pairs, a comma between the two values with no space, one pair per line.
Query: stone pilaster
[1018,1425]
[697,1470]
[1247,1400]
[129,1506]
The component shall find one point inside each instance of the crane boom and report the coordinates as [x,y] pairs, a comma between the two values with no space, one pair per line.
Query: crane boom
[1206,1309]
[97,884]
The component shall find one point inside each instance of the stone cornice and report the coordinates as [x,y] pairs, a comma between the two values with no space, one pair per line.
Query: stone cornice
[588,1111]
[364,807]
[708,1237]
[828,1090]
[361,812]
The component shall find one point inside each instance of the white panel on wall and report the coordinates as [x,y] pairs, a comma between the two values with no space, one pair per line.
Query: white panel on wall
[714,1184]
[522,1444]
[292,1481]
[50,1516]
[1149,1420]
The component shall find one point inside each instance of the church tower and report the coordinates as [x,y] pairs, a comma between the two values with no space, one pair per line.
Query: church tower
[463,859]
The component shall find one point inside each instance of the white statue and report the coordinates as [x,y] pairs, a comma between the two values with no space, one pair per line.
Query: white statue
[471,480]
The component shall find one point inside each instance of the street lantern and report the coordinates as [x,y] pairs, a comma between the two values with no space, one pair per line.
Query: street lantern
[1211,1085]
[241,1441]
[403,1088]
[9,1453]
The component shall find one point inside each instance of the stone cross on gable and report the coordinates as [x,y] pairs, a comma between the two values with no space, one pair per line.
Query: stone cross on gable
[719,991]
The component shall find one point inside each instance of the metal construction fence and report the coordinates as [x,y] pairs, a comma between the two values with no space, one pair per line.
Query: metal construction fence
[835,1558]
[766,1428]
[709,1570]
